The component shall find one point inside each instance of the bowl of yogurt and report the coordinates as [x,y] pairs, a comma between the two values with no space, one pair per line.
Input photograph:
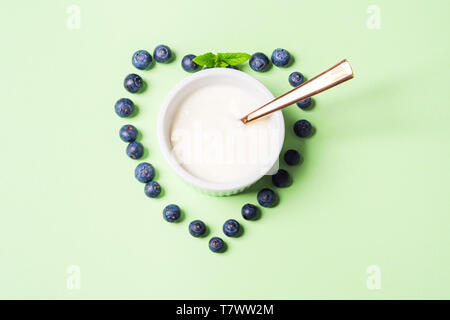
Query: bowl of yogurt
[203,140]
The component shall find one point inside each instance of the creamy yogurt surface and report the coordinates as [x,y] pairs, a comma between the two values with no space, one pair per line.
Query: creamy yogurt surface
[210,141]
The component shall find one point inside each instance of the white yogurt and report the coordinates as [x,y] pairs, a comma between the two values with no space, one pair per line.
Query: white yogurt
[210,141]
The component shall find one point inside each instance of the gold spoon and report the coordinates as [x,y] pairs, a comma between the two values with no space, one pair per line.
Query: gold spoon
[329,78]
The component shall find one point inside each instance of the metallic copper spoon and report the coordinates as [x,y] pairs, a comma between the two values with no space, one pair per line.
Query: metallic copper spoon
[326,80]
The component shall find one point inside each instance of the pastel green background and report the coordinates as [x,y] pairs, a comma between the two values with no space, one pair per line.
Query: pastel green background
[373,188]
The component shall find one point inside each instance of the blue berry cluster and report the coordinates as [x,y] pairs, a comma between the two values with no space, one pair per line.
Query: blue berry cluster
[125,108]
[129,133]
[145,172]
[261,63]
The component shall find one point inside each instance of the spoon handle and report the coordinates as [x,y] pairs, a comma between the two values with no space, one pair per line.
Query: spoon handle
[335,75]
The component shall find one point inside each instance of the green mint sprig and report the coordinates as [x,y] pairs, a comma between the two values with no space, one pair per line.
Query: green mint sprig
[221,60]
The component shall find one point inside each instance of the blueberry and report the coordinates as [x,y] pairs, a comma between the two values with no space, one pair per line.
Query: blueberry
[292,157]
[133,83]
[267,198]
[124,107]
[197,228]
[259,62]
[296,79]
[162,54]
[152,189]
[281,179]
[233,67]
[144,172]
[231,228]
[216,244]
[304,104]
[280,57]
[188,64]
[141,59]
[171,213]
[249,211]
[135,150]
[128,133]
[303,128]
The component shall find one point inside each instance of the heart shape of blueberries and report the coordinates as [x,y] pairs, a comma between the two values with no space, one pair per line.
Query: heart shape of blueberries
[145,172]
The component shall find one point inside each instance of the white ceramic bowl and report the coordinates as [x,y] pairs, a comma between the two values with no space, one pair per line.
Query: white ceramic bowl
[187,86]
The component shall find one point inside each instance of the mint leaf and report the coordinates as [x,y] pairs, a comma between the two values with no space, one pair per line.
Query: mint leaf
[220,63]
[221,60]
[208,59]
[234,59]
